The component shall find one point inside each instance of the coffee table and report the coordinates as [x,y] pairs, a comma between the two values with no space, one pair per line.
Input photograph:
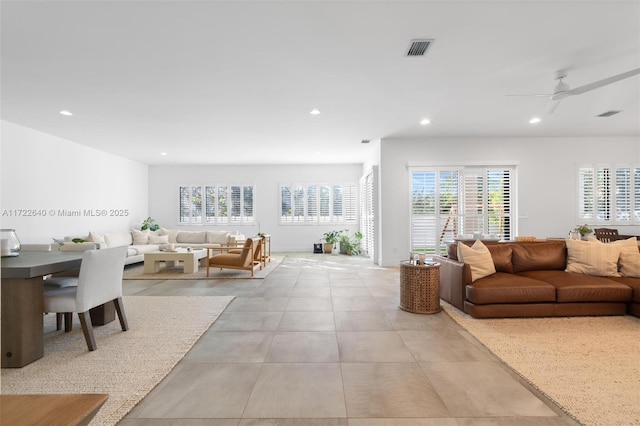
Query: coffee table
[189,260]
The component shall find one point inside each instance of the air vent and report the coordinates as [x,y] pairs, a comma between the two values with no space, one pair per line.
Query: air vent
[419,47]
[365,141]
[608,113]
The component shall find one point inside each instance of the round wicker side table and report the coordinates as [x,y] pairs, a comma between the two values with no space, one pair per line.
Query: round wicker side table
[420,288]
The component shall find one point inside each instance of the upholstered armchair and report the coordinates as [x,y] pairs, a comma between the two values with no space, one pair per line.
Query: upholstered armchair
[239,258]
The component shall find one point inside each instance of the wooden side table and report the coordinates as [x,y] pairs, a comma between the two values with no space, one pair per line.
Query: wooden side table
[420,288]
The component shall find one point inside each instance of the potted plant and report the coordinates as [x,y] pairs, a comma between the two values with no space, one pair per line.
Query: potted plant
[353,244]
[150,224]
[584,230]
[330,238]
[344,241]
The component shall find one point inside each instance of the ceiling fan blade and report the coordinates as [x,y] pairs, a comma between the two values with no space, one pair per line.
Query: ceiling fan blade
[604,82]
[553,105]
[546,95]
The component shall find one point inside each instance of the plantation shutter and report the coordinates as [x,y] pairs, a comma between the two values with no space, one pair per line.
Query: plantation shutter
[196,204]
[298,204]
[312,203]
[349,203]
[325,203]
[223,204]
[247,204]
[338,214]
[185,204]
[286,212]
[210,204]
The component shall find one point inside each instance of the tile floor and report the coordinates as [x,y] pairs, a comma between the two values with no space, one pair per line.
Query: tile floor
[321,342]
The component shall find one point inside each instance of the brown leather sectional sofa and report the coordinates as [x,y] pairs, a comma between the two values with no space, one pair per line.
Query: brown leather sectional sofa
[530,281]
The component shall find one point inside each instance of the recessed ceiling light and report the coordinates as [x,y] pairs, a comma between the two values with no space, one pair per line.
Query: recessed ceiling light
[535,120]
[65,112]
[425,121]
[314,111]
[163,153]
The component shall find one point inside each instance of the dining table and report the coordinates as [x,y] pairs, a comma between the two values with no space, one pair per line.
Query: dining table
[22,287]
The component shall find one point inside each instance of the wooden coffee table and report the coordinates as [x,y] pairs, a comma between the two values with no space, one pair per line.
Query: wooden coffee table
[189,260]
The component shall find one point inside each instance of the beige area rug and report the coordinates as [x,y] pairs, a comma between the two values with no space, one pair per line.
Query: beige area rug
[126,365]
[590,366]
[136,272]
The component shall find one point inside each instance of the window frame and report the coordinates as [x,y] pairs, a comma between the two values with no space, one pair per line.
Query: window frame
[325,208]
[470,209]
[217,204]
[605,192]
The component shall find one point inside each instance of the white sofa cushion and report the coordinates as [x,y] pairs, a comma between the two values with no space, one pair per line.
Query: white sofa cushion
[191,237]
[140,237]
[117,239]
[171,233]
[95,238]
[218,237]
[158,239]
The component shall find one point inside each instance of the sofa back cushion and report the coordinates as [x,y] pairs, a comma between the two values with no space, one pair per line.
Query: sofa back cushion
[550,255]
[218,237]
[501,255]
[191,237]
[171,233]
[117,239]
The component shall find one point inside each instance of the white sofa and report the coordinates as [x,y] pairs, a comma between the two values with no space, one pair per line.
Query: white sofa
[141,242]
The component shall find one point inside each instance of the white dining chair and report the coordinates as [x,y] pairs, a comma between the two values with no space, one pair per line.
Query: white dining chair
[99,282]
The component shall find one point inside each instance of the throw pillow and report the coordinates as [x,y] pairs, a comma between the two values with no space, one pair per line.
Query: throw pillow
[590,258]
[479,259]
[171,233]
[140,237]
[630,245]
[96,238]
[629,264]
[158,239]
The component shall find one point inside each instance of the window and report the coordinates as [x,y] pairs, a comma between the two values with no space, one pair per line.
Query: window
[446,202]
[311,204]
[609,194]
[216,204]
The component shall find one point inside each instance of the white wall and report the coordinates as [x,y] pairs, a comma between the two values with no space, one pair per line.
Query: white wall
[165,180]
[546,179]
[48,174]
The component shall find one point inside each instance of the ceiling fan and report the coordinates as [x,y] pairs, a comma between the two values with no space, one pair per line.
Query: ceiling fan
[562,90]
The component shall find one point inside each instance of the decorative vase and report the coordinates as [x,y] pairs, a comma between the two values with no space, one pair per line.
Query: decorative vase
[9,243]
[328,247]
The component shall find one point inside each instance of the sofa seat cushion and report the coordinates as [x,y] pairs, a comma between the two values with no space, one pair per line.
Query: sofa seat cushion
[572,287]
[634,283]
[228,259]
[509,288]
[146,248]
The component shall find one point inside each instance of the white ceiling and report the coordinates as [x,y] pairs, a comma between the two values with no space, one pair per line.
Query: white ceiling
[215,82]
